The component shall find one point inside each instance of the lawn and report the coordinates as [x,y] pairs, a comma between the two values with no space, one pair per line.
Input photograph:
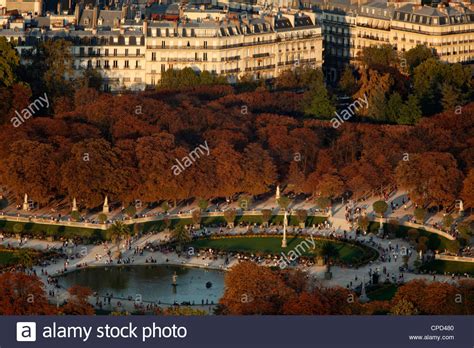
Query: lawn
[435,241]
[7,257]
[219,220]
[55,231]
[442,266]
[348,253]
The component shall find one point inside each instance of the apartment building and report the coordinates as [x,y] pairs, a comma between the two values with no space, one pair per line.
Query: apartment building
[134,55]
[449,30]
[348,26]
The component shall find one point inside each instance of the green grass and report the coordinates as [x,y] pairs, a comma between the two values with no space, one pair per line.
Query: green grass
[214,220]
[442,266]
[55,231]
[435,241]
[348,253]
[93,235]
[383,293]
[7,257]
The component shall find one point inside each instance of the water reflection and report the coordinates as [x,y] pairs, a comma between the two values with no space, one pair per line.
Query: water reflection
[152,283]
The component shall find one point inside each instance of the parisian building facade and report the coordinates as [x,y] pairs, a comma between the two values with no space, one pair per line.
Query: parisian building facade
[133,44]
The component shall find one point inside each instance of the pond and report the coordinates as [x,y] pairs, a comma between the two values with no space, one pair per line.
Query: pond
[151,283]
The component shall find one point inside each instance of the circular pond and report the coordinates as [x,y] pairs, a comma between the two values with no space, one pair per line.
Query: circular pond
[151,283]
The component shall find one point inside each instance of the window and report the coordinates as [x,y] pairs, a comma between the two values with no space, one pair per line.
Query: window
[127,64]
[106,52]
[204,57]
[153,56]
[137,66]
[115,52]
[126,52]
[106,64]
[163,68]
[138,52]
[115,64]
[163,44]
[205,44]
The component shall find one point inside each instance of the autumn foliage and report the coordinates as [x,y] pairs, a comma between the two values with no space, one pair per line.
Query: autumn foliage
[124,147]
[252,289]
[22,294]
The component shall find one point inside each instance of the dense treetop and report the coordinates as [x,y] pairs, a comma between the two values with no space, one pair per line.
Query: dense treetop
[125,146]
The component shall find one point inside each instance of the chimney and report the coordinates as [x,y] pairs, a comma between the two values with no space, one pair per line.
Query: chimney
[95,15]
[124,11]
[69,8]
[145,28]
[59,7]
[77,12]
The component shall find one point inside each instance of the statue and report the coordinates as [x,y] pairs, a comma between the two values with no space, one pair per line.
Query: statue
[285,224]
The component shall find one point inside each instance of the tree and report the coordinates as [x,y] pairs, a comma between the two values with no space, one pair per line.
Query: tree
[302,215]
[245,201]
[436,83]
[22,294]
[363,222]
[130,211]
[331,186]
[318,103]
[373,86]
[323,202]
[78,301]
[91,78]
[196,216]
[266,216]
[394,106]
[29,166]
[203,204]
[380,207]
[467,193]
[448,221]
[450,97]
[430,177]
[254,290]
[76,216]
[9,62]
[413,235]
[92,171]
[410,111]
[181,235]
[415,56]
[348,83]
[284,202]
[377,106]
[165,206]
[307,303]
[25,258]
[102,218]
[404,307]
[329,253]
[229,216]
[420,214]
[118,231]
[187,77]
[54,59]
[378,57]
